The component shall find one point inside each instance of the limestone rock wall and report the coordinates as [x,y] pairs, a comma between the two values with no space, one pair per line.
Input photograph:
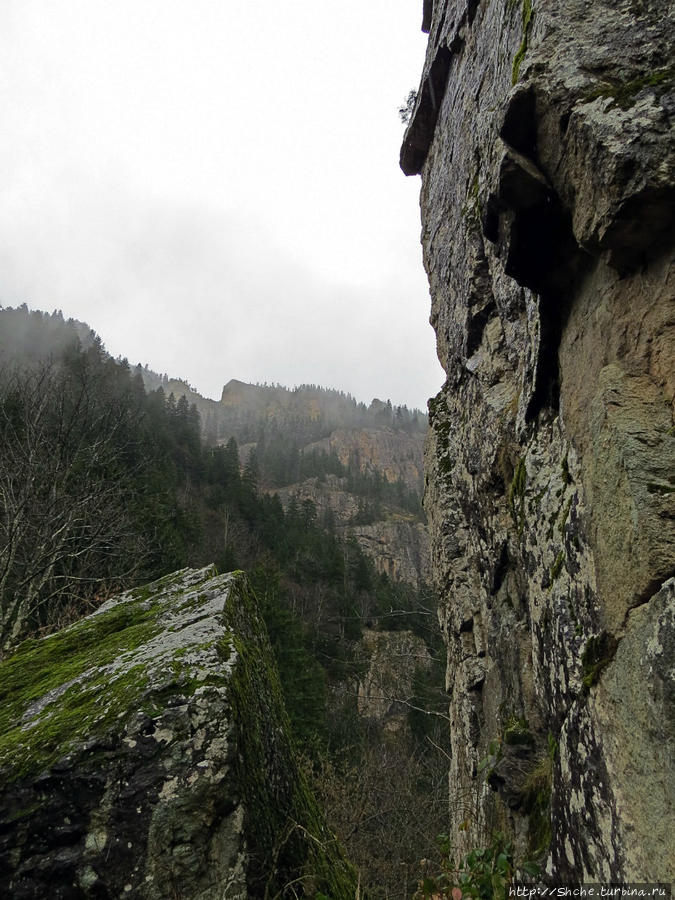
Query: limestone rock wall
[399,547]
[543,133]
[144,753]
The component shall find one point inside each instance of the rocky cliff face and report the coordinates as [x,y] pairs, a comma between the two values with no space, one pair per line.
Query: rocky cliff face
[144,753]
[386,689]
[393,453]
[544,137]
[397,542]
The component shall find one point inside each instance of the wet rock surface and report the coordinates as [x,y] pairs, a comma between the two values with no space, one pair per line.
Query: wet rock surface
[543,135]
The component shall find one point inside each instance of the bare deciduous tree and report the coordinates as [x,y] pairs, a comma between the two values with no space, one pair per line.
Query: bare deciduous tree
[64,486]
[387,809]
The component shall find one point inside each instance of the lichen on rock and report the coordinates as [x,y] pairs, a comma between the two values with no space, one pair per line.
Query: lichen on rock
[144,752]
[543,135]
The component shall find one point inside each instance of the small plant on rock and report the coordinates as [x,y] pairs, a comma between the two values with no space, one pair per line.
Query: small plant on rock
[483,874]
[406,110]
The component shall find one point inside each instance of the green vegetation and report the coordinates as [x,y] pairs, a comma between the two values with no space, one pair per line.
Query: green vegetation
[484,873]
[282,462]
[67,659]
[565,470]
[556,568]
[597,655]
[537,800]
[517,495]
[516,731]
[472,210]
[85,690]
[491,758]
[289,834]
[565,515]
[528,13]
[124,482]
[76,677]
[623,93]
[165,499]
[91,472]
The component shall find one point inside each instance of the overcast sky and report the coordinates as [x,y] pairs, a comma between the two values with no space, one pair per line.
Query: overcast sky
[214,186]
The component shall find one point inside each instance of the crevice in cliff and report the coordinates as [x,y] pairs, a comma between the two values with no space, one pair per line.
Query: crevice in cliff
[546,381]
[641,230]
[646,596]
[519,127]
[501,569]
[466,626]
[534,236]
[482,309]
[532,230]
[471,10]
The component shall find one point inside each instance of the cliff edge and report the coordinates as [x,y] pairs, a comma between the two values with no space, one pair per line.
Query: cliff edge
[543,133]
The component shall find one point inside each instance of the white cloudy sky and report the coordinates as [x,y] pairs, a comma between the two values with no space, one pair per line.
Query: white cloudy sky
[214,186]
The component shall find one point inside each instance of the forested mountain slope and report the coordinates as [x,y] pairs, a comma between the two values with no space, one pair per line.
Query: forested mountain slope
[106,485]
[361,466]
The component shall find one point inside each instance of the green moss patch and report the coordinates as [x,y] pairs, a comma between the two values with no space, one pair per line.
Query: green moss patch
[63,689]
[537,789]
[516,731]
[537,804]
[69,666]
[287,834]
[528,14]
[517,495]
[556,568]
[623,93]
[86,682]
[598,654]
[472,208]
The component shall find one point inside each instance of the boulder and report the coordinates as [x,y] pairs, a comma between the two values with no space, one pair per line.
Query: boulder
[145,753]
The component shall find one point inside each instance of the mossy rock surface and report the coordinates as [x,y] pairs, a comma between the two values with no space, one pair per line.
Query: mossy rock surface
[144,752]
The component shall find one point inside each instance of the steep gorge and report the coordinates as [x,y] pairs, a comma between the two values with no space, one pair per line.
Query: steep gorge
[543,136]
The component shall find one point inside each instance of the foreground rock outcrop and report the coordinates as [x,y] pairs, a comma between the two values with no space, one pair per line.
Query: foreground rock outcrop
[144,752]
[543,133]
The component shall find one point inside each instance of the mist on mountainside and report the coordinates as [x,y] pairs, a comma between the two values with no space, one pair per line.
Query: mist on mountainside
[27,338]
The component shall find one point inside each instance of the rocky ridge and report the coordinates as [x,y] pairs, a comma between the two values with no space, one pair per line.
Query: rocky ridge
[144,752]
[544,137]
